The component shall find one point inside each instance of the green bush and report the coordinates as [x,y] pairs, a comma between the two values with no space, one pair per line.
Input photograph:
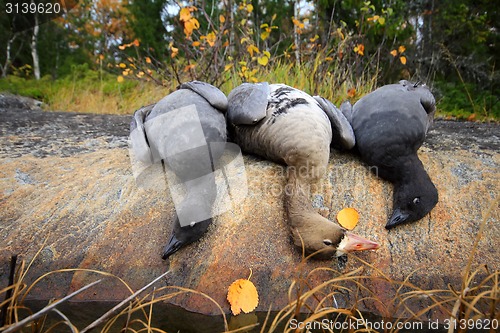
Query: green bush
[466,100]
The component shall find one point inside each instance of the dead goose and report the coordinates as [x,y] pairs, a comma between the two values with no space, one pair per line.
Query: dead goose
[187,130]
[288,126]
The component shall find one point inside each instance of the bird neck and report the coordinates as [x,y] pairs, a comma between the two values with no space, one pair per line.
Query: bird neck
[411,168]
[301,213]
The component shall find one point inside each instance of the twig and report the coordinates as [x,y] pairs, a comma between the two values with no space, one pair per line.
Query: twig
[118,306]
[66,321]
[46,309]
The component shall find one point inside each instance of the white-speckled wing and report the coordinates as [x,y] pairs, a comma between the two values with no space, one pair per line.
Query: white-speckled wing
[295,131]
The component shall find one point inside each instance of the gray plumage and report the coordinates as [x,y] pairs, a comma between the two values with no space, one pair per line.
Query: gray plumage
[390,125]
[288,126]
[168,131]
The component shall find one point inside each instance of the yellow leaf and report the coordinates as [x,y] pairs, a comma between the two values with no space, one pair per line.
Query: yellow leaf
[263,60]
[359,49]
[122,47]
[148,60]
[394,53]
[191,25]
[174,51]
[185,14]
[120,79]
[403,60]
[341,34]
[228,67]
[351,92]
[348,218]
[251,49]
[243,296]
[401,49]
[122,65]
[249,8]
[264,34]
[243,40]
[381,20]
[189,67]
[196,43]
[267,54]
[211,38]
[222,19]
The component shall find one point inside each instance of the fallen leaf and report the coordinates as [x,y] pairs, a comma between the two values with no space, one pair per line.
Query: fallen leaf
[348,218]
[401,49]
[394,52]
[243,296]
[403,60]
[120,79]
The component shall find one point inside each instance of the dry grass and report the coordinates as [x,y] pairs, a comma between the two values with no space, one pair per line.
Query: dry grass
[340,299]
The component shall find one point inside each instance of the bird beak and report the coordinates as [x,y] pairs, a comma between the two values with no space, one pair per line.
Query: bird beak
[173,246]
[353,242]
[398,217]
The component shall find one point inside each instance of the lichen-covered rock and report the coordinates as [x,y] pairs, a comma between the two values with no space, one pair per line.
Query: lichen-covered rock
[67,190]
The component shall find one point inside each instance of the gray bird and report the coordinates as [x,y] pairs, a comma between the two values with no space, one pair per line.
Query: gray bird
[288,126]
[390,124]
[187,131]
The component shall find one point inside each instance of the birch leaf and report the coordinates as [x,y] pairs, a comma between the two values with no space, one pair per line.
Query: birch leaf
[243,296]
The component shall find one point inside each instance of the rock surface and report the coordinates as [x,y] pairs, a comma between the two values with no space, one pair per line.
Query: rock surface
[67,191]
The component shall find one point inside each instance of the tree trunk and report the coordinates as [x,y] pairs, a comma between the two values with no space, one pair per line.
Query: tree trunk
[296,36]
[34,51]
[6,66]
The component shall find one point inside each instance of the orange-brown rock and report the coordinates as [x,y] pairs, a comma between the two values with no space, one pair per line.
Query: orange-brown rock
[67,191]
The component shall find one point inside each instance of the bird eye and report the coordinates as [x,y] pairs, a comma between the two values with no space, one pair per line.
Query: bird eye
[416,201]
[327,242]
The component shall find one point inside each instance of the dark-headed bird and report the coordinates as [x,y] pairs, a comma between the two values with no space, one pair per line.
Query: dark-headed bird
[187,131]
[288,126]
[390,125]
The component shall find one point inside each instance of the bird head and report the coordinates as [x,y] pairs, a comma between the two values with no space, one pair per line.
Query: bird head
[412,201]
[327,239]
[182,236]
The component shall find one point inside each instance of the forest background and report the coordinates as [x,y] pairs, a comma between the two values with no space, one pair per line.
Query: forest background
[113,56]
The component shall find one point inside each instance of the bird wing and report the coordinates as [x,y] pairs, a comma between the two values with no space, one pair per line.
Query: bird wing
[138,137]
[343,135]
[248,103]
[213,95]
